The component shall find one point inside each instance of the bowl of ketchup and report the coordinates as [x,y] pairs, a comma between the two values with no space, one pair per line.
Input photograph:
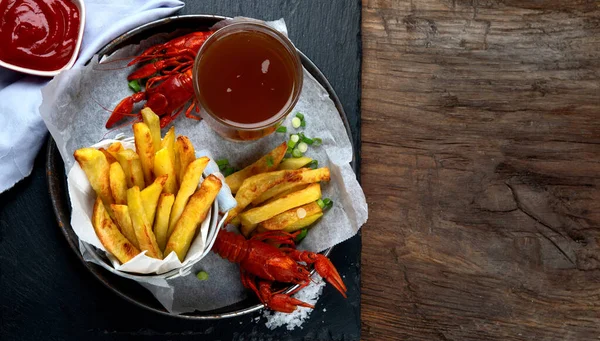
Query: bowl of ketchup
[40,37]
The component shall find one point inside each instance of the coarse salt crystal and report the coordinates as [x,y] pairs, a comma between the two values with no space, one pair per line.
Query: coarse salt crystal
[310,295]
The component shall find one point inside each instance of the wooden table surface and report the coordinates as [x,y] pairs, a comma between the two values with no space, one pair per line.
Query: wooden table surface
[481,165]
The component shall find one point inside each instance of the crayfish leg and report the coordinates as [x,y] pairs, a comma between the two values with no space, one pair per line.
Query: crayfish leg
[323,266]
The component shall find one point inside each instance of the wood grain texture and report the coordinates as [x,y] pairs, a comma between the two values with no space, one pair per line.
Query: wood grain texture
[481,165]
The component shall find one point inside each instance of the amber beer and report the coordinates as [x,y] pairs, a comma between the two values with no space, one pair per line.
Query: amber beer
[247,79]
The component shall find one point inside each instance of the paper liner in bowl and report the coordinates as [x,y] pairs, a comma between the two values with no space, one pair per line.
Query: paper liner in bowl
[82,200]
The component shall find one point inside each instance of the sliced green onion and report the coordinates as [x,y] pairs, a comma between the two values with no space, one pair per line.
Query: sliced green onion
[296,122]
[228,171]
[305,139]
[328,203]
[135,85]
[281,129]
[202,275]
[321,203]
[222,163]
[293,140]
[300,115]
[314,164]
[296,153]
[303,123]
[302,147]
[301,235]
[317,141]
[269,161]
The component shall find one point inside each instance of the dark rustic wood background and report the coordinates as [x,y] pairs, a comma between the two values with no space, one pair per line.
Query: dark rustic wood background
[481,165]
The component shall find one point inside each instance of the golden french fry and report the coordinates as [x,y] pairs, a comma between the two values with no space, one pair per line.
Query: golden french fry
[246,230]
[164,166]
[145,149]
[161,223]
[302,223]
[299,198]
[292,189]
[141,225]
[189,184]
[124,221]
[114,148]
[185,152]
[294,163]
[289,217]
[153,122]
[169,143]
[109,234]
[150,197]
[132,167]
[118,184]
[194,213]
[109,158]
[267,163]
[97,169]
[307,176]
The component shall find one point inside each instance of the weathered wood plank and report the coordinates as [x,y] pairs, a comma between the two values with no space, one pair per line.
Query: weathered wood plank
[481,165]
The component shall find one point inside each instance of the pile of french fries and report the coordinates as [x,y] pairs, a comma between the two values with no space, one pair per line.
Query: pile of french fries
[274,194]
[148,199]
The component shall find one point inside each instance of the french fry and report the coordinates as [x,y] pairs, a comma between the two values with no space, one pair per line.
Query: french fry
[163,165]
[161,223]
[132,167]
[118,184]
[293,189]
[302,223]
[267,163]
[124,221]
[114,148]
[246,230]
[169,143]
[109,158]
[299,198]
[289,217]
[185,153]
[153,122]
[294,163]
[97,169]
[150,197]
[109,234]
[194,213]
[145,149]
[306,176]
[141,225]
[189,184]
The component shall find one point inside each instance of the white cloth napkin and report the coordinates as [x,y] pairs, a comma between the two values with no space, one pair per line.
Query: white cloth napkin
[22,131]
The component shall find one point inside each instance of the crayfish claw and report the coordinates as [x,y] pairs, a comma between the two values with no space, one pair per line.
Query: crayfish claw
[286,304]
[326,270]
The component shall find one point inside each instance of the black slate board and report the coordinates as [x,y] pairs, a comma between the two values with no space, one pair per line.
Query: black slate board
[46,293]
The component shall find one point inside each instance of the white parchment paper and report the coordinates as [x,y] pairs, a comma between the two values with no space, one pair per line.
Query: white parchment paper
[74,109]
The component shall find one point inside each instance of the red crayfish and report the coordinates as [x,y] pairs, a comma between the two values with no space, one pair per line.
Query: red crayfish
[169,85]
[262,264]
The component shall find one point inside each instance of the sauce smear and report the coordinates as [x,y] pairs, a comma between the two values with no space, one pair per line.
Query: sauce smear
[246,77]
[38,34]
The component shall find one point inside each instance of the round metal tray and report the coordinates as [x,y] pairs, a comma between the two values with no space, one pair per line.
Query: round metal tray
[57,183]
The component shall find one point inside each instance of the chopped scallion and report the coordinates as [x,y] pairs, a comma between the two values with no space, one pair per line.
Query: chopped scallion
[321,203]
[296,153]
[222,163]
[302,147]
[317,141]
[305,139]
[301,235]
[328,203]
[228,170]
[269,161]
[296,122]
[135,85]
[202,275]
[281,129]
[303,124]
[300,115]
[314,164]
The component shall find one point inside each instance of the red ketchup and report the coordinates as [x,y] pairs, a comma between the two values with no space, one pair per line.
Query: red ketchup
[38,34]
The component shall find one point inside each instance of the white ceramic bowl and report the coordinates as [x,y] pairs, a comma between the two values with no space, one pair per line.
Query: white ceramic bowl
[81,8]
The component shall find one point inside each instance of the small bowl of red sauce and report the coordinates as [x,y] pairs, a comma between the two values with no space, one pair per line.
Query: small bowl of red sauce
[40,37]
[247,79]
